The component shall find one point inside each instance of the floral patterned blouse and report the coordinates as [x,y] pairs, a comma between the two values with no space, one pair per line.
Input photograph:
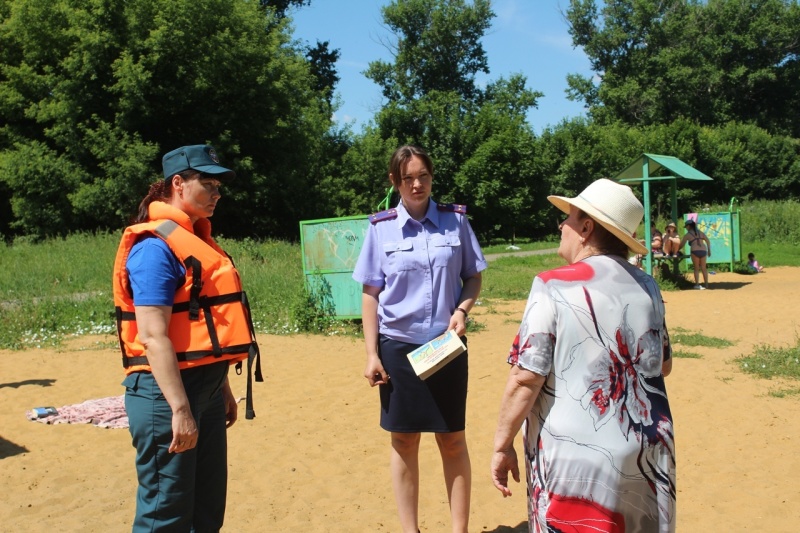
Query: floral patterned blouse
[599,441]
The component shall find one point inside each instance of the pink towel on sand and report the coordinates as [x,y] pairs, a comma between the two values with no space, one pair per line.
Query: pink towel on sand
[103,412]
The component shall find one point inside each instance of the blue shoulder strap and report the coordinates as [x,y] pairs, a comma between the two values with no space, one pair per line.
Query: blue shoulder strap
[389,214]
[453,208]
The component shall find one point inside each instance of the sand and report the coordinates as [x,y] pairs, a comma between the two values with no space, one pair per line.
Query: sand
[315,460]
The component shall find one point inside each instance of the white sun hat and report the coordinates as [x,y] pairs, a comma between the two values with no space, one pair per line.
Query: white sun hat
[613,206]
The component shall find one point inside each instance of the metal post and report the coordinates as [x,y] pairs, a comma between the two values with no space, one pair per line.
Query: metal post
[648,262]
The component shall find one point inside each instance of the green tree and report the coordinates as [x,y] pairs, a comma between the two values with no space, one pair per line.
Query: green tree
[477,138]
[281,7]
[579,151]
[497,177]
[748,163]
[323,67]
[438,48]
[711,61]
[360,181]
[101,89]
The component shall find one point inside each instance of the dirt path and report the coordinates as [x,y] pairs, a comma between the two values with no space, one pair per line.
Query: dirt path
[315,460]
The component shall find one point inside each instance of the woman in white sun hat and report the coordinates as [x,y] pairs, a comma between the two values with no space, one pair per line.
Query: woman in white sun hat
[586,384]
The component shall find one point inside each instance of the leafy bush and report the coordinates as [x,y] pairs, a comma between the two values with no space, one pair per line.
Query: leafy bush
[314,309]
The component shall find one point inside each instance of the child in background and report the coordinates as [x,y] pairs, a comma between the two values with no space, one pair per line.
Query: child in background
[656,241]
[752,264]
[671,240]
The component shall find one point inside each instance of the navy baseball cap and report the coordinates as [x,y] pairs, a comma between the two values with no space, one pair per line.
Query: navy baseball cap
[200,157]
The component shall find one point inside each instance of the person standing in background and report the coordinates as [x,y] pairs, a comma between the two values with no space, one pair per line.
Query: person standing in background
[700,251]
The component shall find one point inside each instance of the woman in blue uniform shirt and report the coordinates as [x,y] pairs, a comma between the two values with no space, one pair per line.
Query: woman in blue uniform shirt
[420,268]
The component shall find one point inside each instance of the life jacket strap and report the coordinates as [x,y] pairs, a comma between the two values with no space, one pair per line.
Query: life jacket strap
[118,311]
[212,331]
[189,356]
[197,284]
[253,357]
[203,301]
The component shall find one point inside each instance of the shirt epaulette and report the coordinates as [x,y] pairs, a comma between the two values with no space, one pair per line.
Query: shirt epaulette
[389,214]
[455,208]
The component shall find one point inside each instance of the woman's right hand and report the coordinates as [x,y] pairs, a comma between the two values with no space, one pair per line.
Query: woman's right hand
[503,462]
[184,431]
[153,324]
[375,373]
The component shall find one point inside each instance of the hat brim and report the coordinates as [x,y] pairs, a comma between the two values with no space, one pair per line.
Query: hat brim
[218,171]
[563,203]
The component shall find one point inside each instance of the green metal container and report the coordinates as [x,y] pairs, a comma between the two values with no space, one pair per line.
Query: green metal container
[330,249]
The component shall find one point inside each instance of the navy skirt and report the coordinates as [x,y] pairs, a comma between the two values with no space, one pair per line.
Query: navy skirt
[412,405]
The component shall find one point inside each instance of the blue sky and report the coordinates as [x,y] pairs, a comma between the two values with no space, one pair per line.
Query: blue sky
[527,36]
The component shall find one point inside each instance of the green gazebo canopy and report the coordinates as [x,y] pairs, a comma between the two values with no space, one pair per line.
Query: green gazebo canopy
[653,167]
[649,167]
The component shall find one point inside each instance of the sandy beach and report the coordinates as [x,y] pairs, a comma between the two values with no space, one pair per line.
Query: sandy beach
[315,460]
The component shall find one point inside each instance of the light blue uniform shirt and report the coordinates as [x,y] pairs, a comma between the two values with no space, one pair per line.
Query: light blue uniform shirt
[421,267]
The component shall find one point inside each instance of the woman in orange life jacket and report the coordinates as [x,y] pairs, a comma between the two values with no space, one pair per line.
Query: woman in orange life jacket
[170,278]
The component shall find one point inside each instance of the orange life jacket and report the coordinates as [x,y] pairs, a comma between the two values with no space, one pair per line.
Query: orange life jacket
[210,319]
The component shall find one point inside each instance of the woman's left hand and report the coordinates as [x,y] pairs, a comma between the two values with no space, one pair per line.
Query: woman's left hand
[458,322]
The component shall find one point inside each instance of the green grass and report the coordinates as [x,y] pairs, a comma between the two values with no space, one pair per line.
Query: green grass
[772,254]
[682,337]
[81,263]
[784,393]
[272,275]
[523,247]
[769,362]
[510,278]
[682,354]
[54,289]
[686,338]
[62,287]
[474,326]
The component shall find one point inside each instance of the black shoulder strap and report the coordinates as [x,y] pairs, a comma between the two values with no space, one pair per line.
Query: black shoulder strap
[197,284]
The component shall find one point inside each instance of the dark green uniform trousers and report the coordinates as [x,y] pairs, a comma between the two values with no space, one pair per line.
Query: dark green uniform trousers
[179,492]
